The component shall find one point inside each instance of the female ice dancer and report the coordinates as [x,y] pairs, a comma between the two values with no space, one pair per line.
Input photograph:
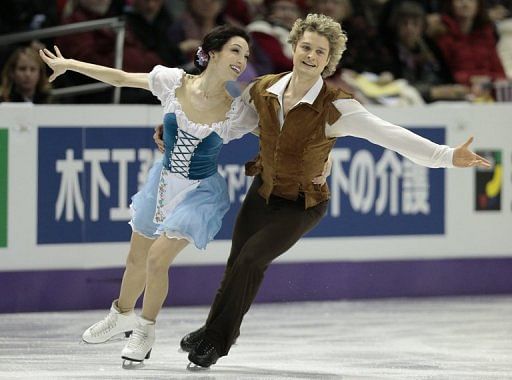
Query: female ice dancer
[184,198]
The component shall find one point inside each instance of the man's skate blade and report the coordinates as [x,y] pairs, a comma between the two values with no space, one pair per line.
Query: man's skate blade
[192,367]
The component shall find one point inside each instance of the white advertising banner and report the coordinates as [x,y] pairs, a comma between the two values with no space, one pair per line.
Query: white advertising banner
[70,172]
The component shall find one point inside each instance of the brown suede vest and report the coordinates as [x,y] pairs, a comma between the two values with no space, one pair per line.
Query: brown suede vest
[291,156]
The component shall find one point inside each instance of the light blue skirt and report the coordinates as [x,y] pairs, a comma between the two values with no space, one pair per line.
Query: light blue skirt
[197,217]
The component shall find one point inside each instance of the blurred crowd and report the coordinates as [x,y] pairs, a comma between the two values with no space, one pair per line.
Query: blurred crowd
[398,51]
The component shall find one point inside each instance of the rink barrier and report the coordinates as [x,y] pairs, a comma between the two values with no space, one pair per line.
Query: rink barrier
[393,228]
[284,282]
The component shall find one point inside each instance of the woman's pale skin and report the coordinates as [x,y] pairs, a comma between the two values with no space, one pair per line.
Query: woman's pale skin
[204,100]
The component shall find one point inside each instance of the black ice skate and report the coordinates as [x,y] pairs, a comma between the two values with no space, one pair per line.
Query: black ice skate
[202,356]
[189,341]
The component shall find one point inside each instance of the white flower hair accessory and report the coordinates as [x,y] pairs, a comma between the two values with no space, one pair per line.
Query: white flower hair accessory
[202,57]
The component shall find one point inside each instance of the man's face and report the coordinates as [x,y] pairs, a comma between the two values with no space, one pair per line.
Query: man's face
[311,55]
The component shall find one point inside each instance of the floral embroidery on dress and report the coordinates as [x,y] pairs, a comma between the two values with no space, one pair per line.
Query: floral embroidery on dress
[189,135]
[162,185]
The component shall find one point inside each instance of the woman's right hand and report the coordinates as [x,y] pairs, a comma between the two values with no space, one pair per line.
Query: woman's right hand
[56,62]
[158,137]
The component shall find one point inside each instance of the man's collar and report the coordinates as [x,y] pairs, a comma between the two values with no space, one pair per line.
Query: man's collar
[279,87]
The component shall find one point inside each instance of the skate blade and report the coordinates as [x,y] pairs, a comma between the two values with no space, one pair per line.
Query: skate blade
[192,367]
[115,338]
[131,364]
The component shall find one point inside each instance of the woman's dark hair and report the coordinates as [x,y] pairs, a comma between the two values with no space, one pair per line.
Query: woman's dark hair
[406,10]
[215,40]
[481,17]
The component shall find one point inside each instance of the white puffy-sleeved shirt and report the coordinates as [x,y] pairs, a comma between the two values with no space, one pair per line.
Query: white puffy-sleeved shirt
[356,121]
[163,82]
[191,149]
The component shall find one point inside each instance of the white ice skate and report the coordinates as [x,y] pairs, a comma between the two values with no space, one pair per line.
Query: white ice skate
[113,325]
[140,343]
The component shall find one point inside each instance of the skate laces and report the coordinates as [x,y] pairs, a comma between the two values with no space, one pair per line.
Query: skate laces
[105,325]
[137,339]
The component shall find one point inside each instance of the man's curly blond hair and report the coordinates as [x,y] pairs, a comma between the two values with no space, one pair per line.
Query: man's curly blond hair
[326,27]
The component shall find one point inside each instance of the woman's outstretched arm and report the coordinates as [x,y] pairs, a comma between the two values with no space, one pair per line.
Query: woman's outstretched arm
[115,77]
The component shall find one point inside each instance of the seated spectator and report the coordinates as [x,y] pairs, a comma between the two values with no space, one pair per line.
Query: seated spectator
[175,8]
[417,59]
[96,46]
[24,78]
[499,10]
[432,8]
[199,17]
[366,50]
[146,44]
[469,45]
[338,10]
[271,51]
[26,15]
[243,12]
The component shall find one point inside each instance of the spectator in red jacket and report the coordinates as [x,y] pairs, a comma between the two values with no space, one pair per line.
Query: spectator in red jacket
[199,17]
[243,12]
[416,58]
[469,44]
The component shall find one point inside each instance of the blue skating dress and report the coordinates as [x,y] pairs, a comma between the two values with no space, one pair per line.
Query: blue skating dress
[185,196]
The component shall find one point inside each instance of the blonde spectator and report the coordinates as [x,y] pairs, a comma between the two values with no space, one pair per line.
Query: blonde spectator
[24,78]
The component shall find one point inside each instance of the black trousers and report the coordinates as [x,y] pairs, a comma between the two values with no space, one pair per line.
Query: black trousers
[262,232]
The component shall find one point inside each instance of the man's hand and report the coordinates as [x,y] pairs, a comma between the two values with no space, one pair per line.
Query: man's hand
[158,137]
[465,158]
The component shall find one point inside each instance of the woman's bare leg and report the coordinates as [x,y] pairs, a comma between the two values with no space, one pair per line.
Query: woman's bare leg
[161,255]
[134,278]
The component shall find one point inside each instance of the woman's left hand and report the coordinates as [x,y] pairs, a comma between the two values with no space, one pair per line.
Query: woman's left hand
[56,62]
[321,179]
[157,137]
[465,158]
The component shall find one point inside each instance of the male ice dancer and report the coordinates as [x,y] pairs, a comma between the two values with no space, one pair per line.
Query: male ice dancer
[300,118]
